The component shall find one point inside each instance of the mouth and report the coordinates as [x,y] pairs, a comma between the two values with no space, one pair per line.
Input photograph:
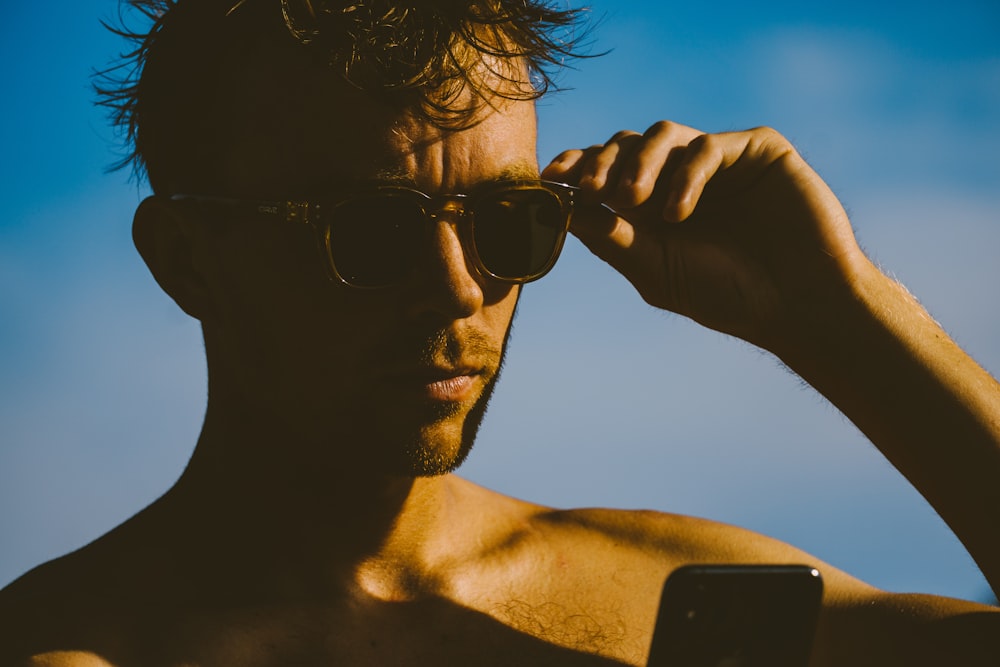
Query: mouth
[437,384]
[452,389]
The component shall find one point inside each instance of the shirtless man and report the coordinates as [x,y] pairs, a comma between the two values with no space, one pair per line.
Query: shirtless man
[319,522]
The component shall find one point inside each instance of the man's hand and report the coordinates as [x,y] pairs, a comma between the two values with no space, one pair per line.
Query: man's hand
[737,232]
[733,230]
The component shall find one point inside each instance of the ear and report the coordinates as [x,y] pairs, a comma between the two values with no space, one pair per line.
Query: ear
[172,245]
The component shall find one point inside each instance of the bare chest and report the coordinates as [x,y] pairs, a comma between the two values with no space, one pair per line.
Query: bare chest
[436,632]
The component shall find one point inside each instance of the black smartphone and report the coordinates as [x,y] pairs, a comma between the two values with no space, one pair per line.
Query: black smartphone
[737,616]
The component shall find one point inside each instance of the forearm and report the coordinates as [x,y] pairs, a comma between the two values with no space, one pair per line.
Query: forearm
[931,410]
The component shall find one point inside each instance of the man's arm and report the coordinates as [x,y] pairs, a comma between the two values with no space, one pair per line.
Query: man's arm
[928,407]
[737,232]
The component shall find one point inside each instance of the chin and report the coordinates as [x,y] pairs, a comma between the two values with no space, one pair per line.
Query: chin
[436,450]
[425,462]
[433,440]
[440,447]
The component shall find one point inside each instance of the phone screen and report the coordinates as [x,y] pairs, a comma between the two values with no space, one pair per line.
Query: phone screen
[737,616]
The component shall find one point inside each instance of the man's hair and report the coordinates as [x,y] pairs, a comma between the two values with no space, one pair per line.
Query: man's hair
[174,96]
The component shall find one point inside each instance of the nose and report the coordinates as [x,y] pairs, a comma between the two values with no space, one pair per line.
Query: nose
[444,283]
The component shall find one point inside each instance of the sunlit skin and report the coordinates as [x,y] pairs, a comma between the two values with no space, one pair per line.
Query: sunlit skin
[300,530]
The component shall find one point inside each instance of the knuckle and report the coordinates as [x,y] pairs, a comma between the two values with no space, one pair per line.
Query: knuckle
[768,135]
[603,159]
[765,131]
[660,127]
[704,142]
[623,134]
[568,155]
[770,139]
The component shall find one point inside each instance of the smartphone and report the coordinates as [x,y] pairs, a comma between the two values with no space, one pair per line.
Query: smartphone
[737,616]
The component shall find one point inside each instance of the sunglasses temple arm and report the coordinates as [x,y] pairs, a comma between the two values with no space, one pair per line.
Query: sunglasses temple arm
[575,200]
[288,211]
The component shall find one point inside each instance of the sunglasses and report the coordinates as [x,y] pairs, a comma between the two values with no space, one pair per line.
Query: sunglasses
[511,231]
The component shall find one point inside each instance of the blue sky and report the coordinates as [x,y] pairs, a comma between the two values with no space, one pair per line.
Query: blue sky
[605,401]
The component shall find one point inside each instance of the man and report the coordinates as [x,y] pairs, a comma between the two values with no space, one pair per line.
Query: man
[353,342]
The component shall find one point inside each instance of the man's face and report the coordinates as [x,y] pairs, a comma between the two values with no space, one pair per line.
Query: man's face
[394,379]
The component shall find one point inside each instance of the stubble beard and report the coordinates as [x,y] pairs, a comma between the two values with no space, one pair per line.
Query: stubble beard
[423,455]
[420,458]
[438,447]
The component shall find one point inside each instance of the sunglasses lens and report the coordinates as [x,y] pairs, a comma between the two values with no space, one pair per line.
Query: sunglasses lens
[518,232]
[373,238]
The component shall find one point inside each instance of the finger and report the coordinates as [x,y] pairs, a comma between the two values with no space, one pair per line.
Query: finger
[626,248]
[705,156]
[638,178]
[575,165]
[606,234]
[595,168]
[603,163]
[564,167]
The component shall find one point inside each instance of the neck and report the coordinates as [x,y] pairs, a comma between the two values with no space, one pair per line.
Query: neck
[298,508]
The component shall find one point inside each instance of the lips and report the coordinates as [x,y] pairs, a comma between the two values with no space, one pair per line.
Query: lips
[439,384]
[452,389]
[443,367]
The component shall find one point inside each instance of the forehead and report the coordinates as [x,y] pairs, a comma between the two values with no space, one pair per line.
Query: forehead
[315,133]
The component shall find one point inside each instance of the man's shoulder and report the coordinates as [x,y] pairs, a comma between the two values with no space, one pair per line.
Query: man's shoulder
[31,607]
[604,569]
[661,536]
[91,573]
[73,604]
[50,585]
[662,533]
[44,608]
[652,544]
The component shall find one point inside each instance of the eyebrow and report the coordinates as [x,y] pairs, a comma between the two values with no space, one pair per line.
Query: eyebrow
[517,171]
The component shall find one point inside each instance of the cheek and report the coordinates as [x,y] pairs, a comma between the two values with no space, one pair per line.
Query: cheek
[299,356]
[500,306]
[275,308]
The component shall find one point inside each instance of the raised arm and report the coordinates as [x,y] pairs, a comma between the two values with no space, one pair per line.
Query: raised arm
[737,232]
